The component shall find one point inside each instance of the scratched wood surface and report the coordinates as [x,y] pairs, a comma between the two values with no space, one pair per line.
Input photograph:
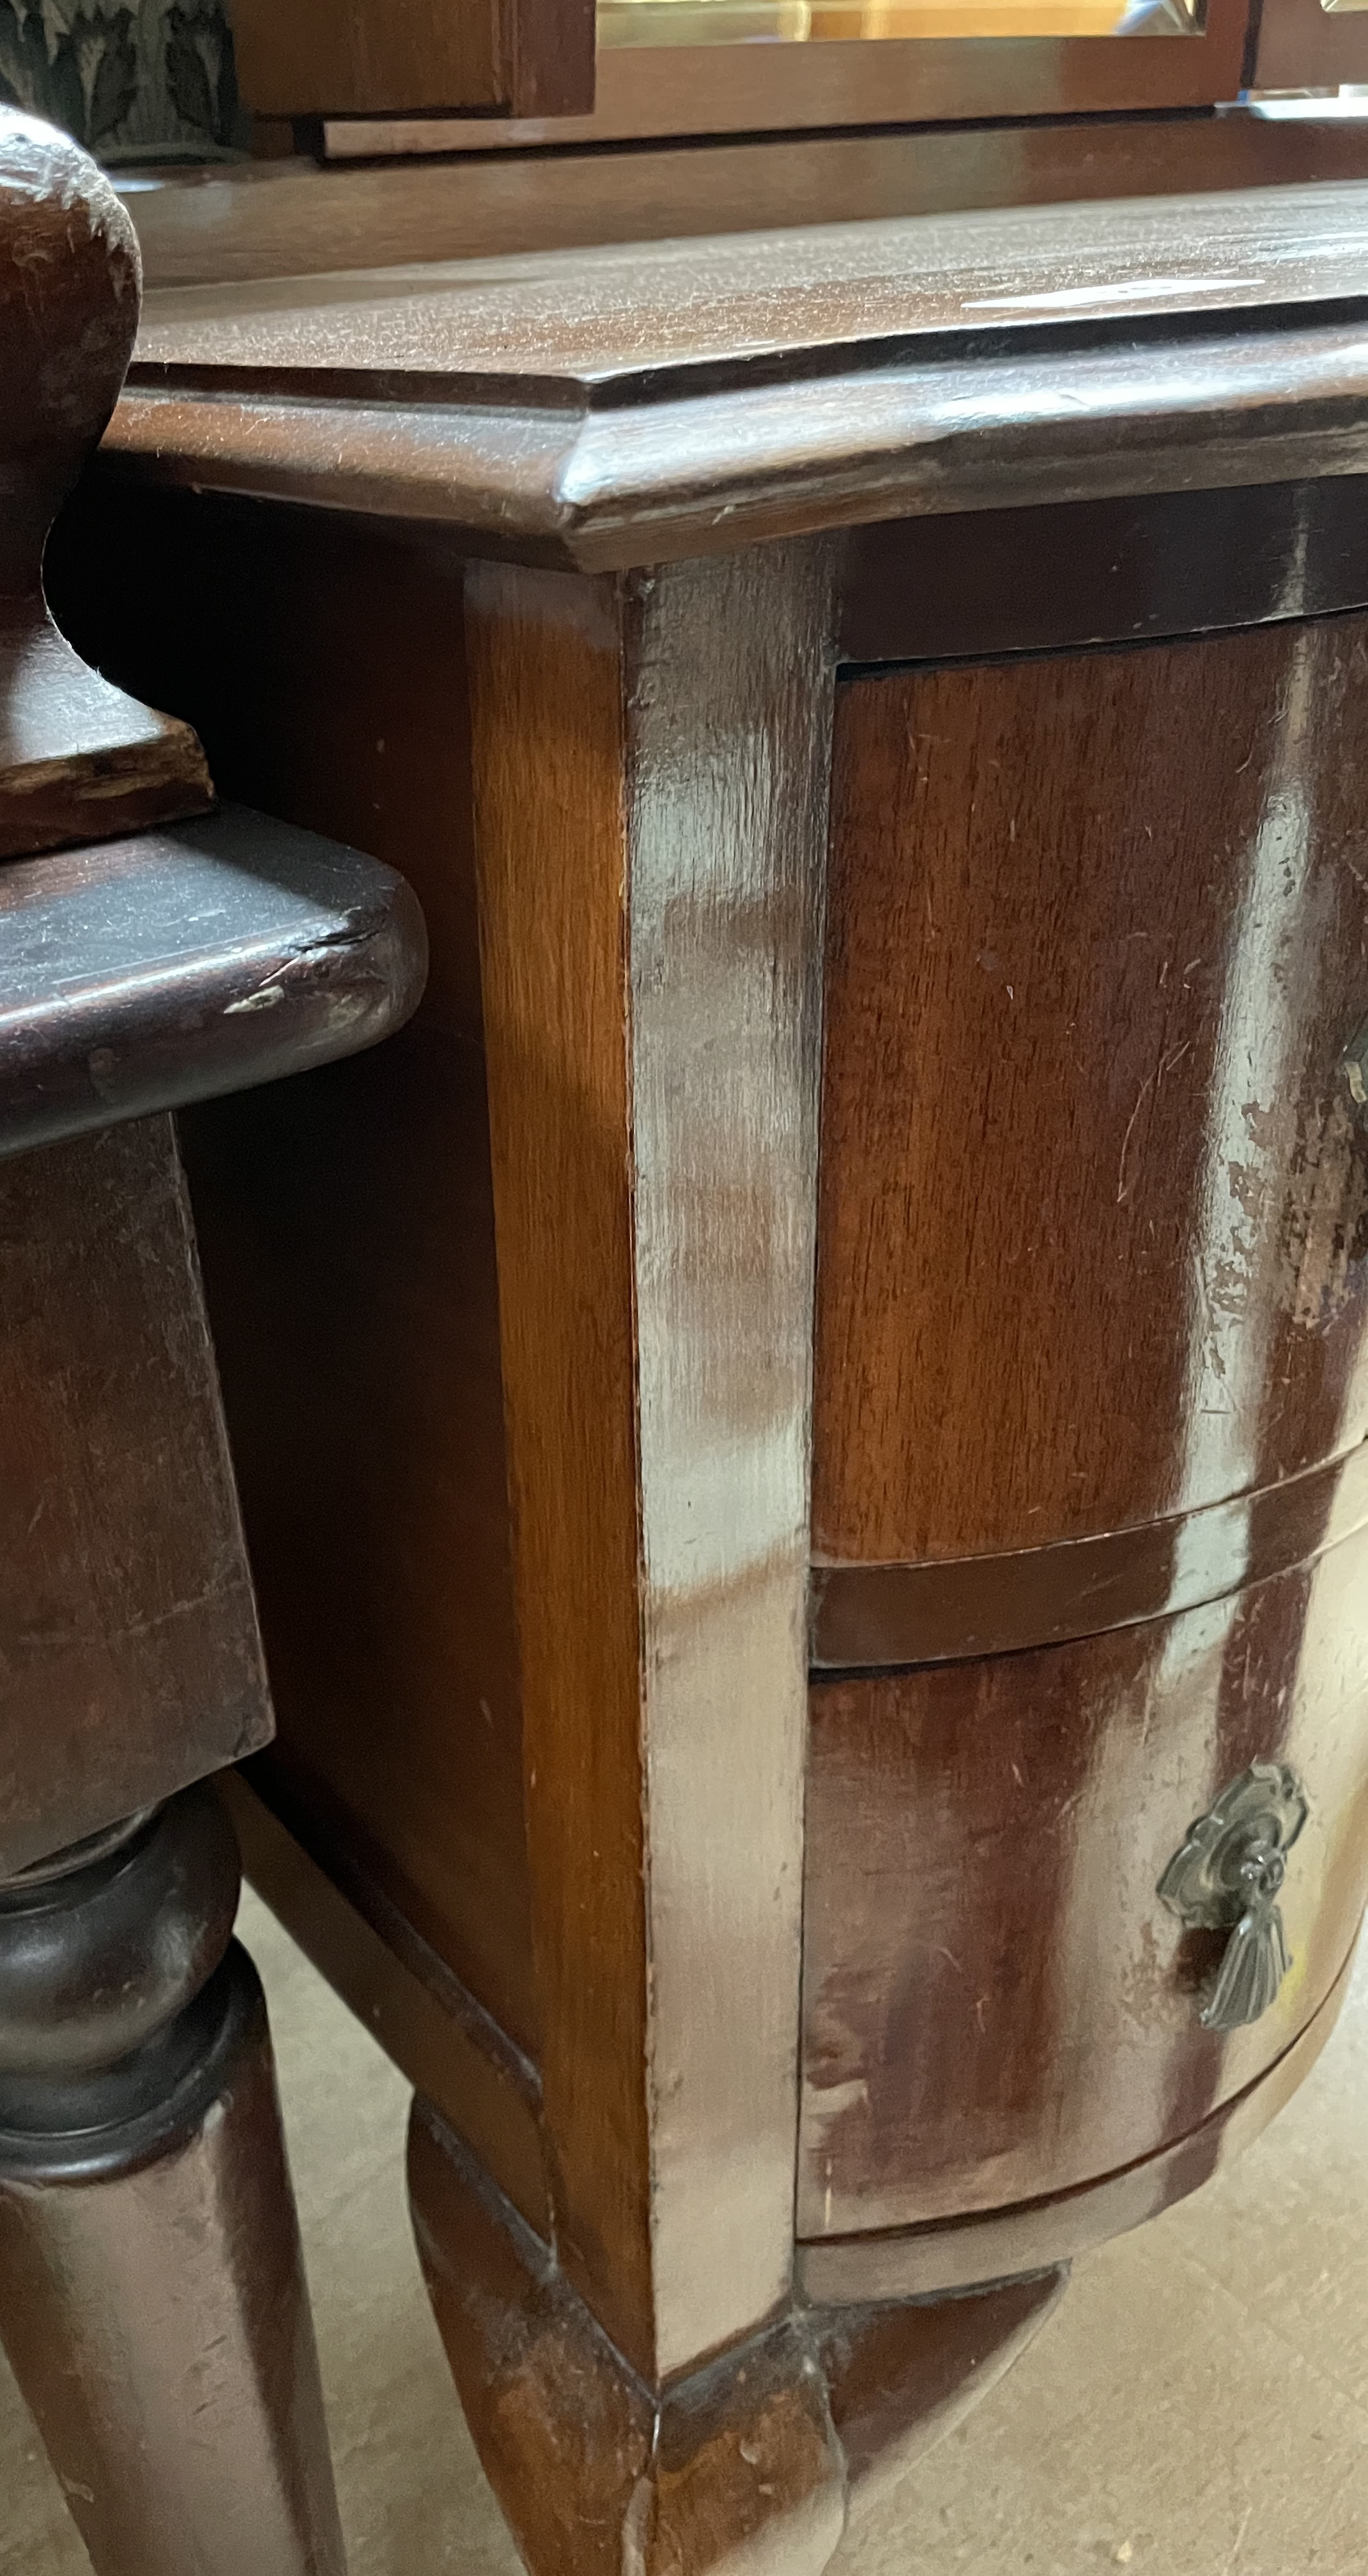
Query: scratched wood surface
[131,1660]
[756,2456]
[997,2006]
[1094,1189]
[621,406]
[292,218]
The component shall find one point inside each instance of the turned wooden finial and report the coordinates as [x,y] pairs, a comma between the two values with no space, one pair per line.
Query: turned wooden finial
[78,759]
[70,286]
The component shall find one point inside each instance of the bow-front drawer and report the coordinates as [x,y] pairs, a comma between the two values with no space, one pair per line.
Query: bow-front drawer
[1086,1801]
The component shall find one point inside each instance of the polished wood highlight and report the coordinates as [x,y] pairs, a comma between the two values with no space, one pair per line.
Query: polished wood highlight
[144,973]
[982,1930]
[946,2259]
[1098,937]
[863,1616]
[767,2449]
[76,756]
[398,57]
[650,1016]
[557,411]
[291,218]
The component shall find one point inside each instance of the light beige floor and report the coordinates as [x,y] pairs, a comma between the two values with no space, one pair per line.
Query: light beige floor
[1199,2407]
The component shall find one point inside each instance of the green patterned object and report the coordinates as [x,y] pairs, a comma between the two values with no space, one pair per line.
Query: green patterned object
[134,80]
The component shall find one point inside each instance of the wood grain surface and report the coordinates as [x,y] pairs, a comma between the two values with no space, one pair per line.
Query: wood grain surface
[1094,1189]
[604,408]
[1157,564]
[756,2457]
[951,2256]
[481,2087]
[548,724]
[996,2003]
[864,1616]
[664,317]
[131,1661]
[376,57]
[346,1222]
[474,193]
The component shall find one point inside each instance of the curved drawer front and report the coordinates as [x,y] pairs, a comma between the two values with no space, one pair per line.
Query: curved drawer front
[997,2002]
[1094,1193]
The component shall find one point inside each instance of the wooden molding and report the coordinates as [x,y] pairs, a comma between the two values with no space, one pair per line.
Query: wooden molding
[666,405]
[864,1616]
[770,2449]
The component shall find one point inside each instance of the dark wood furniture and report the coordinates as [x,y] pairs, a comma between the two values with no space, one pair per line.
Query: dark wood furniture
[378,77]
[153,951]
[805,1422]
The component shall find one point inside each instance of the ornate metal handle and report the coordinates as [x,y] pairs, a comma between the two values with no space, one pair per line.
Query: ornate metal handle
[1227,1876]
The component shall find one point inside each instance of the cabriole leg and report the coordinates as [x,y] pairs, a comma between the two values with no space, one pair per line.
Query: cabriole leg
[152,2295]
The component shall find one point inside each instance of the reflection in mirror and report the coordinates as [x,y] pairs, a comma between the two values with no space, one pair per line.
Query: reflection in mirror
[731,22]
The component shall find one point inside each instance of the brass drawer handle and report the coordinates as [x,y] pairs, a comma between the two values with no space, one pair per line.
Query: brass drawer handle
[1228,1874]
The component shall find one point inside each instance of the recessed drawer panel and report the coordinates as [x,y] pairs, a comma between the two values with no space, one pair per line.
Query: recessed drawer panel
[1094,1187]
[998,2003]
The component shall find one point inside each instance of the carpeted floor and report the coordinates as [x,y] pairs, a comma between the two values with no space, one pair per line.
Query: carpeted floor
[1198,2407]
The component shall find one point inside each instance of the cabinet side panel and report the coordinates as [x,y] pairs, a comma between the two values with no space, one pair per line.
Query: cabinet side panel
[346,1217]
[548,716]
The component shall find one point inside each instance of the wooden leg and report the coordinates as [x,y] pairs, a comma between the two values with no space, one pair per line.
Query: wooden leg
[756,2460]
[152,2295]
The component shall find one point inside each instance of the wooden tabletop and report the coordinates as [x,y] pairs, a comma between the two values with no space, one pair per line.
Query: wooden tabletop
[609,405]
[697,315]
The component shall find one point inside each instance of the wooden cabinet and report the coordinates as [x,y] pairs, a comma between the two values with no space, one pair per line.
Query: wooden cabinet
[807,1421]
[405,57]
